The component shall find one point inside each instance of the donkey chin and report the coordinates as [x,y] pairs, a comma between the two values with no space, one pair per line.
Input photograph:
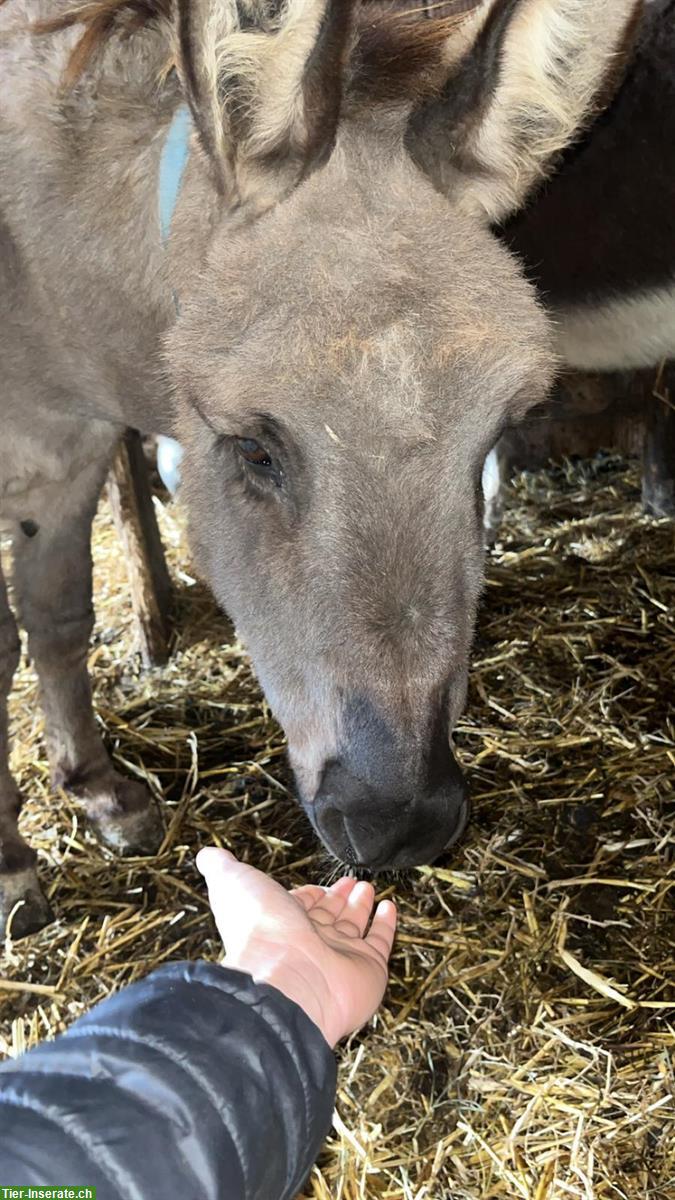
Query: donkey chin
[391,823]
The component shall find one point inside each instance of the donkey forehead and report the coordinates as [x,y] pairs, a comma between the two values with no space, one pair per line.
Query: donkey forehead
[338,298]
[354,264]
[358,387]
[398,380]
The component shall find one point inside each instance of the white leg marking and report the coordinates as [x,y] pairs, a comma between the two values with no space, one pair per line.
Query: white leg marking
[492,491]
[169,458]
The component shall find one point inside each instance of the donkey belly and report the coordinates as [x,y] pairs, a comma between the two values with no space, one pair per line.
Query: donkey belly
[599,237]
[624,333]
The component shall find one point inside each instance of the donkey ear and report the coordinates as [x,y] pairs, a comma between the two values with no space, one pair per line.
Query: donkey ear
[264,80]
[534,74]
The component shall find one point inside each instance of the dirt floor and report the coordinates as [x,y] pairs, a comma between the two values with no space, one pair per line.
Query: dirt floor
[525,1048]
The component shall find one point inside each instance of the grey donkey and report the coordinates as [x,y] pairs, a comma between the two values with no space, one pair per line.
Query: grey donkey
[352,340]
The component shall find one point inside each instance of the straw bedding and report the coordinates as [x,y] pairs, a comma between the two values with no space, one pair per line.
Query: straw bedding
[525,1048]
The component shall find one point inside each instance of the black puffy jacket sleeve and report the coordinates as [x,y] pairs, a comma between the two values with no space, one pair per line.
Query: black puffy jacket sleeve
[196,1084]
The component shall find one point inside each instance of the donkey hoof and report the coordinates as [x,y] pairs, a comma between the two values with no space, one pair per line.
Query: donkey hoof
[134,827]
[659,501]
[23,906]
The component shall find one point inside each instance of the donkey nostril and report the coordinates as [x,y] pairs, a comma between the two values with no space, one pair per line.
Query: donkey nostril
[462,822]
[334,830]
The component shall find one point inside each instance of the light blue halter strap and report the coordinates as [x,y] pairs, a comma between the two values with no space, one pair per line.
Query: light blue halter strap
[172,167]
[171,170]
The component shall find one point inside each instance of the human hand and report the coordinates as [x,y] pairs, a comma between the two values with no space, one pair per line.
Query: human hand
[310,943]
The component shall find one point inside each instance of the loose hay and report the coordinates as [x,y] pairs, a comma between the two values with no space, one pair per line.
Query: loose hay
[525,1048]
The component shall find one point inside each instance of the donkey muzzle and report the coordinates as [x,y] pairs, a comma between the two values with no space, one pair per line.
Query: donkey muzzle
[364,826]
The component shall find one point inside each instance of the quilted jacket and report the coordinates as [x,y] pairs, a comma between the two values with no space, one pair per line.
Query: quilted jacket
[196,1084]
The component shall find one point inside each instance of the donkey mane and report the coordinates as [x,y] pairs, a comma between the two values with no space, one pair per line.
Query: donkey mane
[396,53]
[399,50]
[100,21]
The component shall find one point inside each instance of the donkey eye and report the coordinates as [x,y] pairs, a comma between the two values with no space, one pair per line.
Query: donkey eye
[252,452]
[259,461]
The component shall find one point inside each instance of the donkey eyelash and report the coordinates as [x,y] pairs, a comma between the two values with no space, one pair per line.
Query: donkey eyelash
[264,485]
[260,475]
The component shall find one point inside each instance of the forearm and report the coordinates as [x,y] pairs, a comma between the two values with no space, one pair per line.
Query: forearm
[196,1082]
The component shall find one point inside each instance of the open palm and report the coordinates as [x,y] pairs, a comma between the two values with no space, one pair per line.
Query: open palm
[312,943]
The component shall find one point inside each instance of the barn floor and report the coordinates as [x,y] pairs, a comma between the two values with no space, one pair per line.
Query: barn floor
[525,1048]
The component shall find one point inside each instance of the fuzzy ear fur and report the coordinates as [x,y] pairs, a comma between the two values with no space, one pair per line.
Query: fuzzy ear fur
[264,81]
[535,74]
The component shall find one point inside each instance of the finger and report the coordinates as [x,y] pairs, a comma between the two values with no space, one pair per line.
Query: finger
[308,895]
[316,891]
[344,886]
[349,928]
[359,906]
[328,909]
[382,931]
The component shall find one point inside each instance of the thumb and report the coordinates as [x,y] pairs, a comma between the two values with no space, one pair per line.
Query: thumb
[239,894]
[212,860]
[223,874]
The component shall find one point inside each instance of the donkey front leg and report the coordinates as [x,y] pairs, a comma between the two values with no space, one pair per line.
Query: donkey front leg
[19,888]
[658,464]
[52,573]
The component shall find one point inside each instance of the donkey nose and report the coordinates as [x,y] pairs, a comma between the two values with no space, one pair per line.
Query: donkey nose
[364,826]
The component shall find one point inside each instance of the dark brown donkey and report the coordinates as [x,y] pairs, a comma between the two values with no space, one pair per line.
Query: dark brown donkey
[352,340]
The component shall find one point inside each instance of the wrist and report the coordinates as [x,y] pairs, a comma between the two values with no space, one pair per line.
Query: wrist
[295,977]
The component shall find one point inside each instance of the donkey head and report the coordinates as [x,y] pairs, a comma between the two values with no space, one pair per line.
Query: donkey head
[345,362]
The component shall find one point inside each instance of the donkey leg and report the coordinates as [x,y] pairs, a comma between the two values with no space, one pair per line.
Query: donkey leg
[658,463]
[54,593]
[18,879]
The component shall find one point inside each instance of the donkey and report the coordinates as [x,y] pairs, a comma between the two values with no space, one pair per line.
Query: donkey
[352,339]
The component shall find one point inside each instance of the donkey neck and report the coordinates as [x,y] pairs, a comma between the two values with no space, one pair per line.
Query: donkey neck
[86,231]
